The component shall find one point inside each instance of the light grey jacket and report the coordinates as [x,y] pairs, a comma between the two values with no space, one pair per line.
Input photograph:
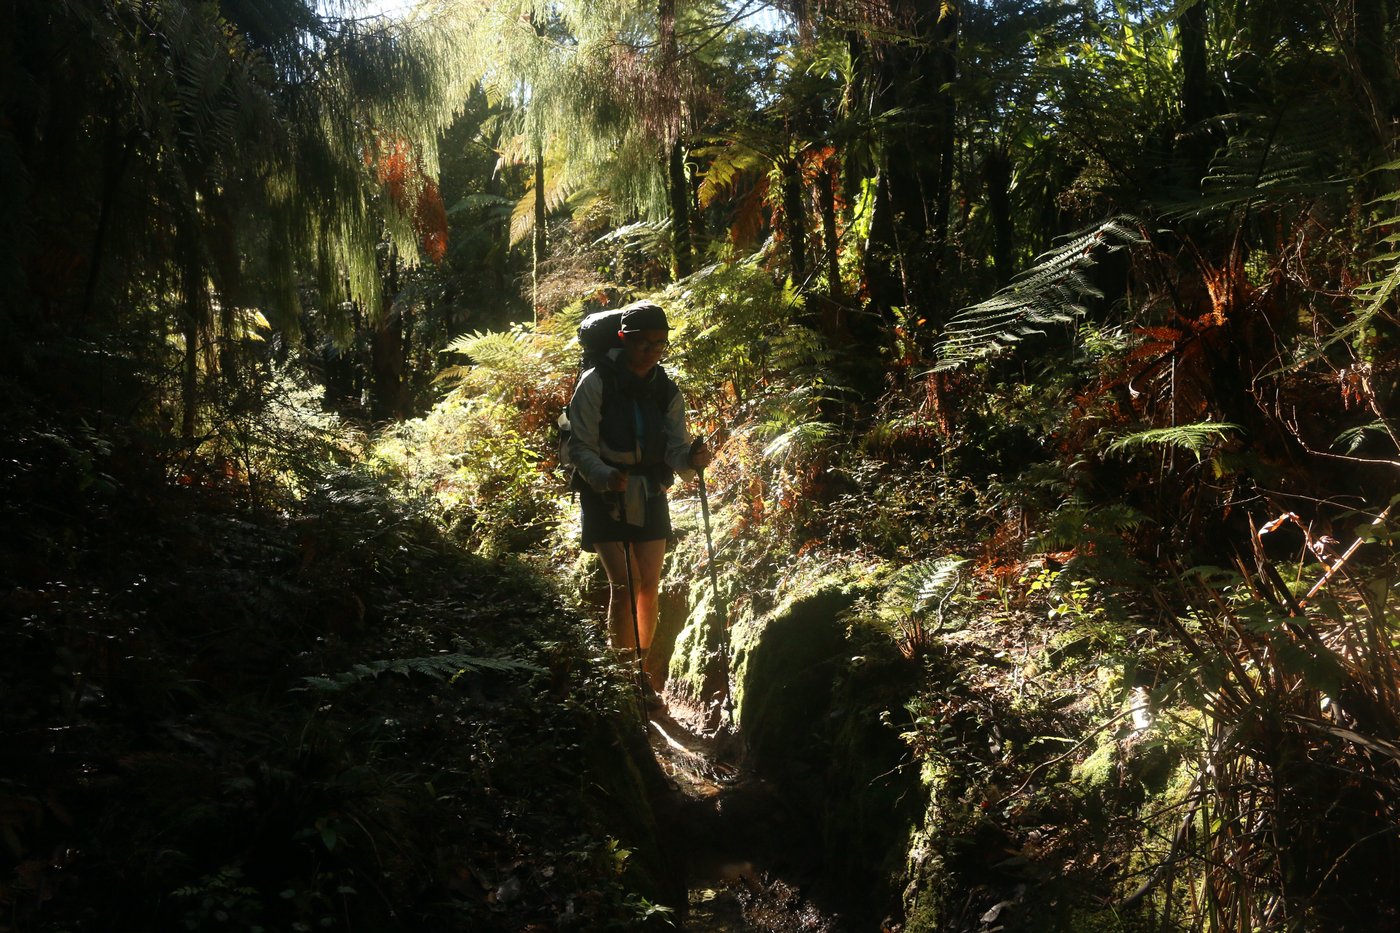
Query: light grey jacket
[589,453]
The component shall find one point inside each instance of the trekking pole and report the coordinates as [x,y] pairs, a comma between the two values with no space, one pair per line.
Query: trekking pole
[714,588]
[636,633]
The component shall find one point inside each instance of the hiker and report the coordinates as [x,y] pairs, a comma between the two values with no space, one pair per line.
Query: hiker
[628,441]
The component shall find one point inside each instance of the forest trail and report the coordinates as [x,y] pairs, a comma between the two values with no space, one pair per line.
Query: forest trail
[747,858]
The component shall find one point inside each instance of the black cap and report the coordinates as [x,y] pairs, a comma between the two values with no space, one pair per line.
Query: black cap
[643,315]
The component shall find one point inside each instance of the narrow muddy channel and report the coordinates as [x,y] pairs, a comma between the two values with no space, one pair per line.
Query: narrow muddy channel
[751,863]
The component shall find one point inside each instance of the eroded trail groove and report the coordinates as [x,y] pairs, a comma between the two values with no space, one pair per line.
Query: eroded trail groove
[749,860]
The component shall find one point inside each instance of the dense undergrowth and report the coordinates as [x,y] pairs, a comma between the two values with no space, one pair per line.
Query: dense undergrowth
[1021,659]
[308,710]
[1124,688]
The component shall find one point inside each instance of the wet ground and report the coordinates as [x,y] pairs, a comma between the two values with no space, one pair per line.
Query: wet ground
[750,861]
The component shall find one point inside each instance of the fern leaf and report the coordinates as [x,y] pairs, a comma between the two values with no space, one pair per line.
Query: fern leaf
[801,437]
[441,667]
[1050,292]
[924,584]
[1196,438]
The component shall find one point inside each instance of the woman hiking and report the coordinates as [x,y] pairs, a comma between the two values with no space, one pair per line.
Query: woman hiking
[629,440]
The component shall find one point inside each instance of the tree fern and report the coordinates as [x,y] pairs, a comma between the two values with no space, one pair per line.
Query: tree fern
[1052,291]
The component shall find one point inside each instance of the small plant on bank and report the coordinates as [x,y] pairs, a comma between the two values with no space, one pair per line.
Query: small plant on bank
[922,600]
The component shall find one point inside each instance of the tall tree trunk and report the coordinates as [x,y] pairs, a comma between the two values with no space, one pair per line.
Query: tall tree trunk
[114,173]
[1374,55]
[228,348]
[826,193]
[682,250]
[917,175]
[699,232]
[539,241]
[193,305]
[795,221]
[387,355]
[387,350]
[884,260]
[678,185]
[945,53]
[1197,144]
[996,169]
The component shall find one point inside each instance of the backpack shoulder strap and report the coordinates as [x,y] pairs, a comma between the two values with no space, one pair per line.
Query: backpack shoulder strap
[666,388]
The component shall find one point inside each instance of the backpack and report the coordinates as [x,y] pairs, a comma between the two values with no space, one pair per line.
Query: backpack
[597,334]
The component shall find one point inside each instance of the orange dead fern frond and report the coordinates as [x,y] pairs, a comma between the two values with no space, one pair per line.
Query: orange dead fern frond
[395,167]
[430,221]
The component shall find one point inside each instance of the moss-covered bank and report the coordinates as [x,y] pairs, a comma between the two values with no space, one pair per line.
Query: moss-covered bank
[818,711]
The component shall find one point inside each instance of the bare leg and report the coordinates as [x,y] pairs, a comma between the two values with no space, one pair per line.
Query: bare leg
[647,559]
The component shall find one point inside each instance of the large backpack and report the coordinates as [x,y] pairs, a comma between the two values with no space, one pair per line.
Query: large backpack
[597,334]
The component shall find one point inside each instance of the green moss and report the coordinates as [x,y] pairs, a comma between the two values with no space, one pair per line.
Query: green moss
[1099,772]
[784,665]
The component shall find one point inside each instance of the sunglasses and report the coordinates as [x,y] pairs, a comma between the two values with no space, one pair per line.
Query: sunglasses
[649,346]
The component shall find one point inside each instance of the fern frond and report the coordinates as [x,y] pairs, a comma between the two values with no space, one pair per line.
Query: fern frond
[918,586]
[800,437]
[1052,291]
[493,349]
[915,603]
[730,163]
[651,237]
[502,363]
[440,667]
[1073,524]
[1268,159]
[1351,439]
[1196,438]
[482,201]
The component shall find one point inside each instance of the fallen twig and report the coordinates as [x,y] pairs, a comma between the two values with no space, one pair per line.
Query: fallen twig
[1333,568]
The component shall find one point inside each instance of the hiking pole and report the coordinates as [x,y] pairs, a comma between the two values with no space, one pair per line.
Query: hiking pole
[714,587]
[636,632]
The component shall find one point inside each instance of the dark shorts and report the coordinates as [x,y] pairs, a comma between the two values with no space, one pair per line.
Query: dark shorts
[600,525]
